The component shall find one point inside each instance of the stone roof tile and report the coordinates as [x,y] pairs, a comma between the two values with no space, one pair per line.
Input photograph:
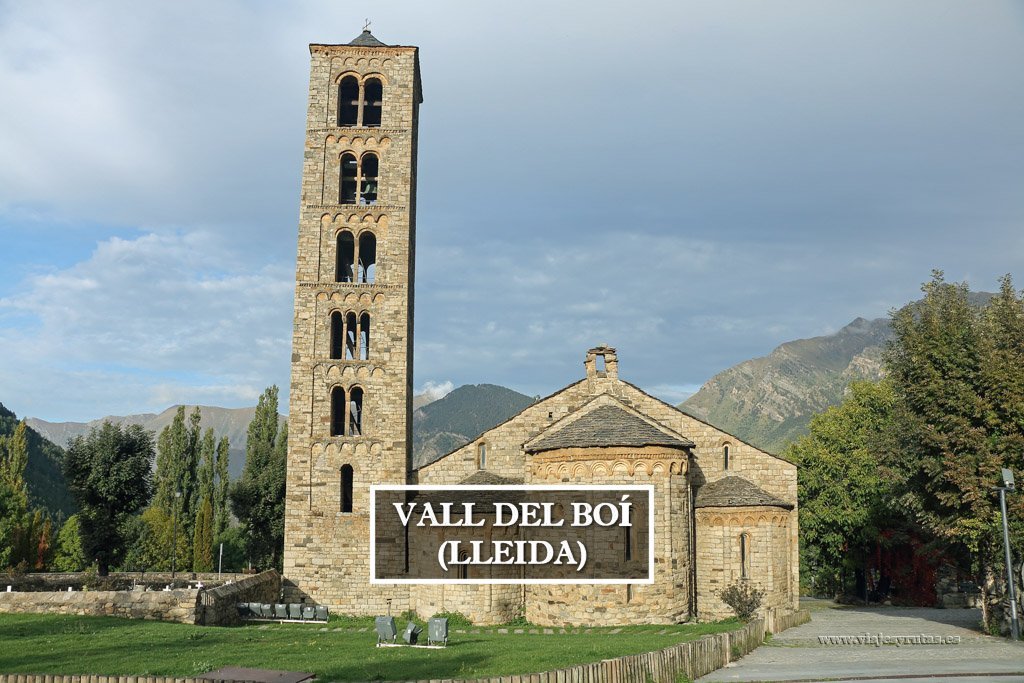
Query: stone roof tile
[736,492]
[608,425]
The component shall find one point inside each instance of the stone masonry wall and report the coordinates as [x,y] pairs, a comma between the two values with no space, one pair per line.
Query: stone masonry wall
[218,606]
[719,557]
[176,605]
[326,557]
[506,457]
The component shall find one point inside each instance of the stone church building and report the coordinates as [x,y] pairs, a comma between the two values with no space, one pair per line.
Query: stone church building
[725,511]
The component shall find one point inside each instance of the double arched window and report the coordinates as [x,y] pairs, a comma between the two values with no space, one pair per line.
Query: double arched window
[359,179]
[350,336]
[356,261]
[360,103]
[347,411]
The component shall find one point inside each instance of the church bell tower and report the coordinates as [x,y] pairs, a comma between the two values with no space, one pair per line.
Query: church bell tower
[350,405]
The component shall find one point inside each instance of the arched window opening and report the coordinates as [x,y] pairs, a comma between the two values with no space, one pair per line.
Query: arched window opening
[349,178]
[344,269]
[346,488]
[373,102]
[355,410]
[725,457]
[348,101]
[627,540]
[350,336]
[744,556]
[337,411]
[368,179]
[337,334]
[367,257]
[364,336]
[481,456]
[464,564]
[599,363]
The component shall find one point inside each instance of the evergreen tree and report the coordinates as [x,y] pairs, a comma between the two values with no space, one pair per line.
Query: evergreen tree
[257,498]
[222,516]
[108,473]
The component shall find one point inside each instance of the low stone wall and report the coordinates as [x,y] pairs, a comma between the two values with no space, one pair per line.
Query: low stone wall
[45,581]
[176,605]
[218,605]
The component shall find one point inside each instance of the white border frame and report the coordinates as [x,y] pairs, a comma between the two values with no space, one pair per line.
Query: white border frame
[648,488]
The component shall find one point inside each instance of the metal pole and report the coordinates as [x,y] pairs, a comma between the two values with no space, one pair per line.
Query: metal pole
[1014,625]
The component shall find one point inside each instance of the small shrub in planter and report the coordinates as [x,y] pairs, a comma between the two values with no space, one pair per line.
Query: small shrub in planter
[743,598]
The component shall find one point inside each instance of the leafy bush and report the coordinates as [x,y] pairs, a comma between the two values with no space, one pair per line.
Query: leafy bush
[743,598]
[455,619]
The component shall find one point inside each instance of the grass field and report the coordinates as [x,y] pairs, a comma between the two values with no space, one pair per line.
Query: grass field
[106,645]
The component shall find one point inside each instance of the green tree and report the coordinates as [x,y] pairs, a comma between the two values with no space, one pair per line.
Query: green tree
[108,473]
[257,498]
[202,543]
[221,513]
[69,555]
[842,490]
[178,472]
[958,417]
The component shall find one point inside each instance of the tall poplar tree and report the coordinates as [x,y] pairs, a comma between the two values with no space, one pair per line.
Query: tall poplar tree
[221,513]
[257,498]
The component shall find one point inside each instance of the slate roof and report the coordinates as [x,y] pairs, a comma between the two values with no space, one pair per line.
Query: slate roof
[736,492]
[367,39]
[485,478]
[608,425]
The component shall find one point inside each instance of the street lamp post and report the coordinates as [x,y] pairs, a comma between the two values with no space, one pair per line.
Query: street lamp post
[1009,486]
[174,540]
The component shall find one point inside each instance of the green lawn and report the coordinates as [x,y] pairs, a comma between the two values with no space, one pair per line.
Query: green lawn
[106,645]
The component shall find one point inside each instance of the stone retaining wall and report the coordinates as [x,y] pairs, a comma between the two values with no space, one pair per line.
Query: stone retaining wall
[217,605]
[176,605]
[690,660]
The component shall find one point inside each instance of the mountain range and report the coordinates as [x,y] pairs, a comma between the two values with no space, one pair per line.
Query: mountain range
[766,401]
[769,401]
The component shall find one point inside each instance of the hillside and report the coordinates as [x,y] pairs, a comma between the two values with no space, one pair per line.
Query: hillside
[447,423]
[43,473]
[769,401]
[230,422]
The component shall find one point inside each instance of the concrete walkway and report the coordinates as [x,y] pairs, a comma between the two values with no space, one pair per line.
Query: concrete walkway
[799,655]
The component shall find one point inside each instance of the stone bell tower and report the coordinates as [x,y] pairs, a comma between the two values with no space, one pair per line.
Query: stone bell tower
[350,407]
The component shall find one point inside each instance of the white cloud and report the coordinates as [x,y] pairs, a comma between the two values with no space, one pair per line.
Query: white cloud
[435,390]
[171,311]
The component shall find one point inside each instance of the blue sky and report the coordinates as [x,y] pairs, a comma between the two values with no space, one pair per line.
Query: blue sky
[692,182]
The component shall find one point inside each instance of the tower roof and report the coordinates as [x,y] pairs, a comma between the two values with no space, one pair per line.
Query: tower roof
[367,39]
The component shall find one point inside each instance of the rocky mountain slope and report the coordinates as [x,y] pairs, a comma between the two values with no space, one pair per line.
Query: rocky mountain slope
[453,421]
[769,401]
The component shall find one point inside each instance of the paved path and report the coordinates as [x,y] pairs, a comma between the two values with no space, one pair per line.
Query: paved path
[798,654]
